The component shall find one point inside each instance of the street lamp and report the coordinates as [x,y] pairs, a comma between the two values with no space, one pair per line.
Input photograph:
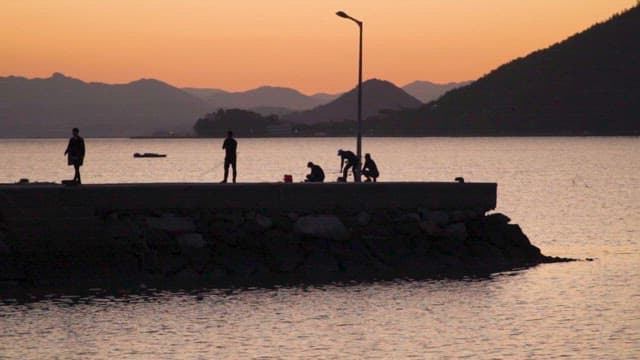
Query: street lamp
[342,14]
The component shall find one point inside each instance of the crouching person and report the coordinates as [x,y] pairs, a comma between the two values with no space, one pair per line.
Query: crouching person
[316,175]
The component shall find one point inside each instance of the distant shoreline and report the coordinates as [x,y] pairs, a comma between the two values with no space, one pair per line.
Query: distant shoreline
[338,136]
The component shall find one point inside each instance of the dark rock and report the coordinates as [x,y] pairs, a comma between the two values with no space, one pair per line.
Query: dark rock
[430,228]
[263,221]
[457,216]
[160,240]
[322,226]
[321,264]
[409,217]
[497,219]
[438,217]
[456,232]
[4,248]
[172,224]
[363,218]
[283,255]
[191,241]
[484,250]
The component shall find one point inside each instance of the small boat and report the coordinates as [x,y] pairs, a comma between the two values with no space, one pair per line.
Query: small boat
[149,155]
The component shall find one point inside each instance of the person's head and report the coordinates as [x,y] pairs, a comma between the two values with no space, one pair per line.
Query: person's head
[229,134]
[367,156]
[75,131]
[309,164]
[340,152]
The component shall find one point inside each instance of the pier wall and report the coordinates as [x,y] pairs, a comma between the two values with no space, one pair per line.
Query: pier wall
[251,233]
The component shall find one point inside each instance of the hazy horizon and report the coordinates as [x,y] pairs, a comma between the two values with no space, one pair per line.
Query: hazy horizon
[286,44]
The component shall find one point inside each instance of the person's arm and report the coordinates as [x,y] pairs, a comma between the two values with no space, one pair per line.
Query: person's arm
[341,162]
[224,144]
[81,148]
[68,146]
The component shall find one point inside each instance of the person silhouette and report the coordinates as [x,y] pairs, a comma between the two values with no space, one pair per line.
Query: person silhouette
[75,154]
[230,146]
[348,160]
[316,175]
[370,169]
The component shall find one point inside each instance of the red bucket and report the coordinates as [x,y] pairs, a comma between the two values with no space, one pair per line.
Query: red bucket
[288,178]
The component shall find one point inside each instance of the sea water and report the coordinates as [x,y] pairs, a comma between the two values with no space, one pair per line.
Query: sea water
[574,197]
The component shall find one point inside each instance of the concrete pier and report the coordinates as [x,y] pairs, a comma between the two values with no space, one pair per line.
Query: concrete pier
[228,233]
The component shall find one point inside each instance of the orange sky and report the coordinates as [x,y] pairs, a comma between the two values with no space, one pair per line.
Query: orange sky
[241,44]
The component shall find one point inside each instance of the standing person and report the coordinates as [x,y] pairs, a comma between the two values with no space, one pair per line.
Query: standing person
[230,155]
[370,170]
[348,160]
[75,154]
[316,175]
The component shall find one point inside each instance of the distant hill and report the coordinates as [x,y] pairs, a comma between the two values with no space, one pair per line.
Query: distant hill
[51,107]
[587,84]
[263,98]
[426,91]
[377,95]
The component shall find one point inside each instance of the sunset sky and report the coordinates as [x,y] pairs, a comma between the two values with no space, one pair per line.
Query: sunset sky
[241,44]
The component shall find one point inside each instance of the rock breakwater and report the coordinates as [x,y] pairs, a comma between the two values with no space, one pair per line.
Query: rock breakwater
[247,247]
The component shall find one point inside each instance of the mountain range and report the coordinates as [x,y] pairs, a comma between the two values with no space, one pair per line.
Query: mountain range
[50,107]
[262,99]
[427,91]
[378,95]
[584,85]
[268,100]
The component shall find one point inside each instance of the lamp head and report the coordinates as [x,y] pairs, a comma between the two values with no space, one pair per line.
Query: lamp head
[342,14]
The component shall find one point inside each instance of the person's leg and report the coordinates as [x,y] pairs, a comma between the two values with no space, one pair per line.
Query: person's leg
[367,175]
[76,176]
[226,170]
[345,172]
[233,165]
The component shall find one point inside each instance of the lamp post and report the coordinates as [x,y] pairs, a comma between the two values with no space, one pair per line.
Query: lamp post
[342,14]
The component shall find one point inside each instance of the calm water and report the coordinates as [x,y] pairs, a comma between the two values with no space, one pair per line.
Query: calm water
[577,197]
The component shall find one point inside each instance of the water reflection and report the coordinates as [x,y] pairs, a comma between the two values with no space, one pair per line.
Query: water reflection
[573,197]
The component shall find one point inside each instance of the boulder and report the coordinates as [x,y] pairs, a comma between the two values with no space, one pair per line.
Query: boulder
[457,216]
[497,219]
[172,224]
[430,228]
[363,218]
[322,226]
[263,221]
[320,264]
[293,216]
[516,237]
[4,248]
[438,217]
[484,250]
[412,216]
[457,231]
[191,241]
[282,255]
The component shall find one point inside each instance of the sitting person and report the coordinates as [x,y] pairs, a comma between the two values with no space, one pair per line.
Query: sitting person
[370,170]
[316,175]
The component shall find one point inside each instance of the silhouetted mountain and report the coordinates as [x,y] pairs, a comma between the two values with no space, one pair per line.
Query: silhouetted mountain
[587,84]
[51,107]
[324,98]
[270,110]
[426,91]
[262,97]
[377,95]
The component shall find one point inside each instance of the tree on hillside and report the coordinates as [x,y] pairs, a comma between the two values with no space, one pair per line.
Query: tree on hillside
[242,122]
